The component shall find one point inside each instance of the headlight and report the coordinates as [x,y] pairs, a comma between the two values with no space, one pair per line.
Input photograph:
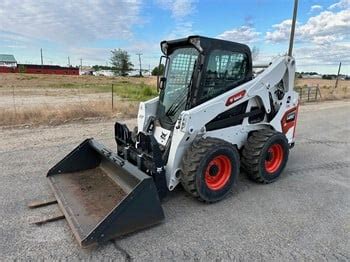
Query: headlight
[197,43]
[183,122]
[164,47]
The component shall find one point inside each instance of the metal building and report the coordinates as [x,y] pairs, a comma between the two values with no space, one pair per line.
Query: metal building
[8,60]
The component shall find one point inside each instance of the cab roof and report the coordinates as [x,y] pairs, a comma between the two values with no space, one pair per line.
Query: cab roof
[205,43]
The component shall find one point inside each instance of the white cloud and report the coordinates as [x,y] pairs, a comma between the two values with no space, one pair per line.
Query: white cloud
[316,8]
[181,29]
[324,39]
[343,4]
[179,8]
[323,55]
[69,21]
[320,29]
[244,34]
[281,32]
[95,55]
[180,12]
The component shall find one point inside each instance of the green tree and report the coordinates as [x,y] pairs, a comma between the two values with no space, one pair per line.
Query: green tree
[158,70]
[121,62]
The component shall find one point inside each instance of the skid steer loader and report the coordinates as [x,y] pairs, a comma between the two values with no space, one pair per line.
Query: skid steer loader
[212,117]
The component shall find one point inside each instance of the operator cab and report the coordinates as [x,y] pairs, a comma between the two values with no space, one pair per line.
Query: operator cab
[198,69]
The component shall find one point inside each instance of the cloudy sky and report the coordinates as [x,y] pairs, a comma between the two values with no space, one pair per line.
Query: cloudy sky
[89,29]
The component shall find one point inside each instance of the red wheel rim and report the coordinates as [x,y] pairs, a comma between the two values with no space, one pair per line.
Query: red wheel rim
[218,172]
[274,158]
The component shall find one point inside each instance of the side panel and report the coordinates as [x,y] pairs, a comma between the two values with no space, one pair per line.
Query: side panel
[146,110]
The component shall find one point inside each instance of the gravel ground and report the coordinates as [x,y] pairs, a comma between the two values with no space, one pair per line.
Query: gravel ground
[303,216]
[54,97]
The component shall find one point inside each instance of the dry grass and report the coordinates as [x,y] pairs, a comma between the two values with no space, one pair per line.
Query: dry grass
[328,92]
[67,81]
[55,115]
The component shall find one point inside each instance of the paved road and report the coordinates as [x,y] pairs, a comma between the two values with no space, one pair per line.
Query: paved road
[305,215]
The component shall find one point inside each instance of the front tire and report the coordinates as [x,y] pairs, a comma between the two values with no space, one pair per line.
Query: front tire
[210,167]
[265,155]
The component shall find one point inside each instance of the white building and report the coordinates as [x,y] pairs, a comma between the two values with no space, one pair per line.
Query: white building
[8,60]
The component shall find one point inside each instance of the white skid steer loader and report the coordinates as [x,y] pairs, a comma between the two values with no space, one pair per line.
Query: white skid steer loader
[212,116]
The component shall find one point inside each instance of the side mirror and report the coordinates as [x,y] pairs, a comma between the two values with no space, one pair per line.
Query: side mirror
[163,61]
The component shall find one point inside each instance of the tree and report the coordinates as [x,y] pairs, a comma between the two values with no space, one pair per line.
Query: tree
[121,62]
[158,70]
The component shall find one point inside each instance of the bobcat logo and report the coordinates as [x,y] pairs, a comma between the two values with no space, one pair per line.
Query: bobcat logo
[163,135]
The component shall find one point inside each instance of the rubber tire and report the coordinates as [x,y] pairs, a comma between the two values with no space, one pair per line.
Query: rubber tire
[254,155]
[194,164]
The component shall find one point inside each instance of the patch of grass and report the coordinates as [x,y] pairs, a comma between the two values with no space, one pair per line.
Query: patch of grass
[136,92]
[27,77]
[68,85]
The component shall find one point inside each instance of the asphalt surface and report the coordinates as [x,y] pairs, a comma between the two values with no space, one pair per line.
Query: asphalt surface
[303,216]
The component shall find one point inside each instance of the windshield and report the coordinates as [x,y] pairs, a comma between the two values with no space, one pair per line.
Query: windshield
[178,78]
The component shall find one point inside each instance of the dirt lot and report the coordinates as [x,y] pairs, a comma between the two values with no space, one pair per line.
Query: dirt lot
[303,216]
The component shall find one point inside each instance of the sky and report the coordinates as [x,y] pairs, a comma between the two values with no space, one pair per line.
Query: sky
[90,29]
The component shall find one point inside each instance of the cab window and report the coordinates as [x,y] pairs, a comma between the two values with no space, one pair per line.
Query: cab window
[224,71]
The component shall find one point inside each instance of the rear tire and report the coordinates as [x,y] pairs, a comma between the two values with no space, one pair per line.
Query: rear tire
[265,155]
[210,167]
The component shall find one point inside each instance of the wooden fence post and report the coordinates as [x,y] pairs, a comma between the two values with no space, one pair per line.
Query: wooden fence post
[112,97]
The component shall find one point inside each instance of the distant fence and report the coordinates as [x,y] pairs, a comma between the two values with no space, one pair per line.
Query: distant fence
[21,105]
[309,93]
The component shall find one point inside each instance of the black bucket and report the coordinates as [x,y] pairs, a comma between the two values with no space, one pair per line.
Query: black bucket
[102,196]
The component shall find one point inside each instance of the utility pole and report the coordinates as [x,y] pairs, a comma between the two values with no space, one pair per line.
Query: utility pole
[139,54]
[68,61]
[292,31]
[81,64]
[41,56]
[336,81]
[149,69]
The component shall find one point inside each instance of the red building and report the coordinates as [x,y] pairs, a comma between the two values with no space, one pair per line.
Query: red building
[40,69]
